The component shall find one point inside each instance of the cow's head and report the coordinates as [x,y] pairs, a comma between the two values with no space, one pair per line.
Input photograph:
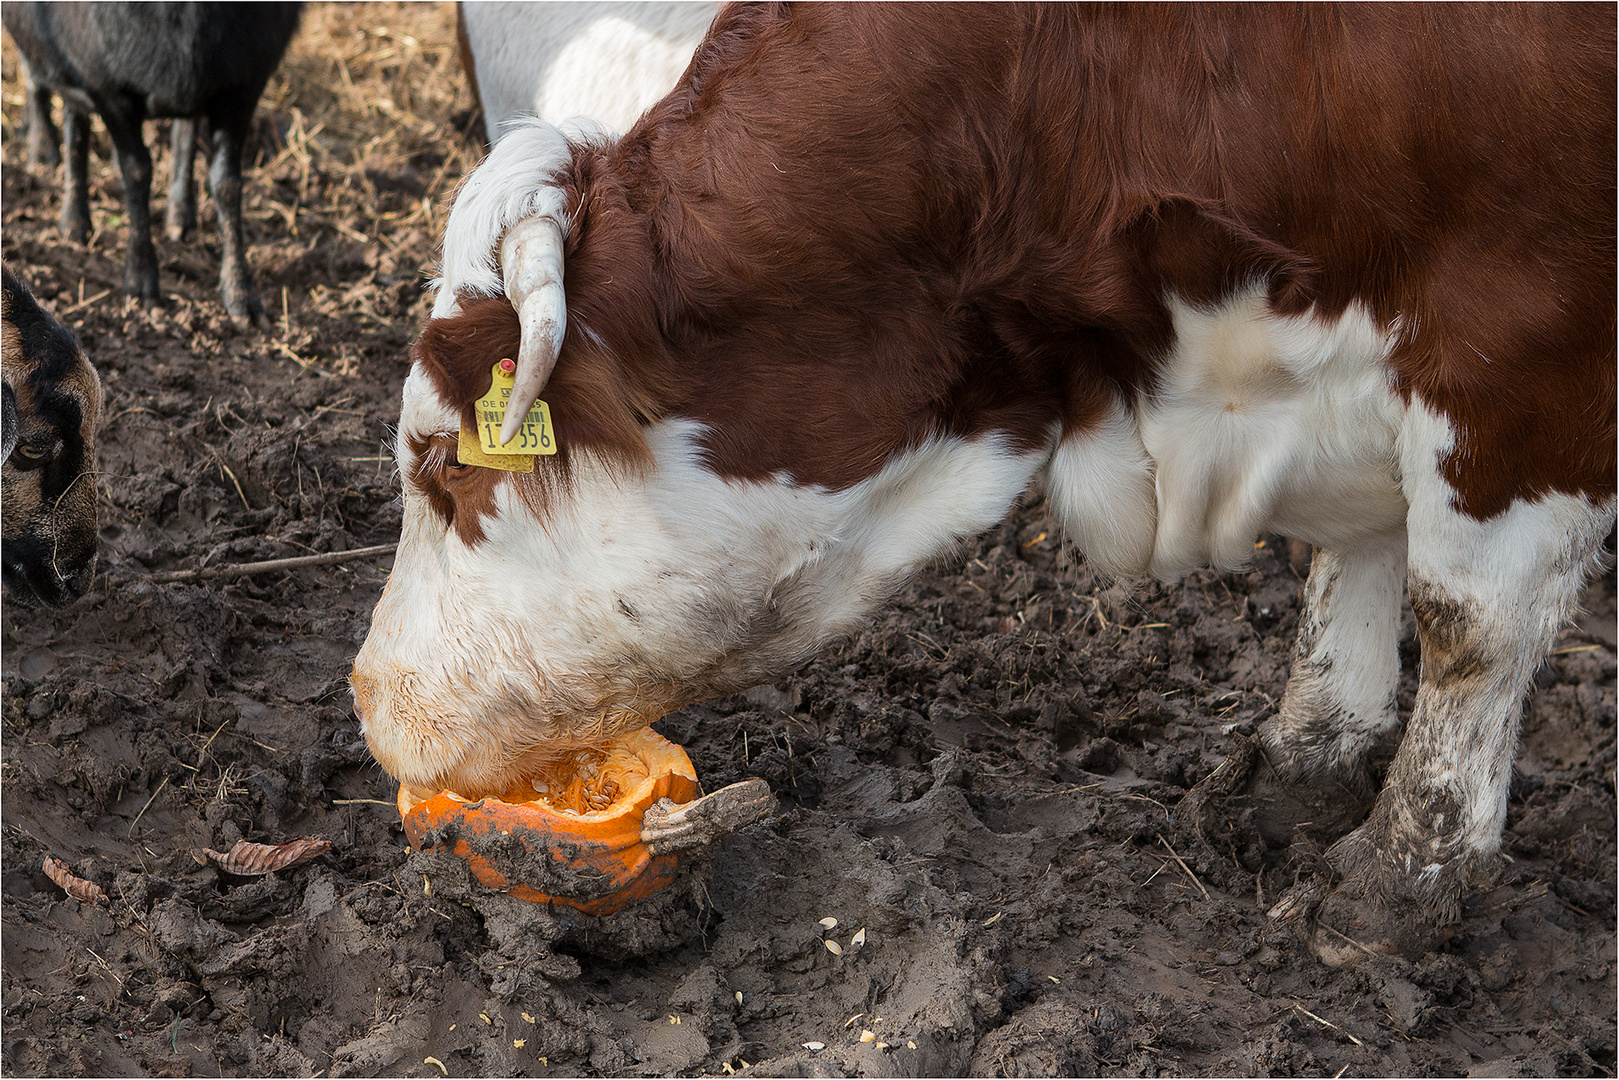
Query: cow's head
[715,514]
[47,482]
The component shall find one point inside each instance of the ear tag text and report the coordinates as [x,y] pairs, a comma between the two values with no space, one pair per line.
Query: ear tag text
[536,436]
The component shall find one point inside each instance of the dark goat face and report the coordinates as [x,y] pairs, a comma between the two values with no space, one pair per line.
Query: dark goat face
[52,407]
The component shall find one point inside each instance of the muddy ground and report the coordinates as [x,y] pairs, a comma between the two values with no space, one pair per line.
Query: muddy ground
[983,782]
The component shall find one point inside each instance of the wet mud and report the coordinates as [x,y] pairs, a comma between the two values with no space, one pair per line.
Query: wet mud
[981,788]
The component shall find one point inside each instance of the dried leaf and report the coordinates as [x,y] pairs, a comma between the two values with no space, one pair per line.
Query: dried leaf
[86,892]
[247,859]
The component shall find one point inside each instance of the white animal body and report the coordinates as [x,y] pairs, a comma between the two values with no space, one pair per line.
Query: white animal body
[606,61]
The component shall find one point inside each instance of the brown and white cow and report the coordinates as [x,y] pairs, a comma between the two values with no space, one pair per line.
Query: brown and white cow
[870,272]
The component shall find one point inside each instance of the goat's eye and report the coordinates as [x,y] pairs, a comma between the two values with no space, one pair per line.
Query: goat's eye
[30,456]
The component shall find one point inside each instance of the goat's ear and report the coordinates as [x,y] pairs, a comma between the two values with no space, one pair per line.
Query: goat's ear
[13,424]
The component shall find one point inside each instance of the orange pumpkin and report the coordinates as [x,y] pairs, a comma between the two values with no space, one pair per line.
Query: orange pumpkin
[598,844]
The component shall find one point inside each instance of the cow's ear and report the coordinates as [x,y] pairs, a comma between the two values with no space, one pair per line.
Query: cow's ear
[12,422]
[1204,254]
[456,353]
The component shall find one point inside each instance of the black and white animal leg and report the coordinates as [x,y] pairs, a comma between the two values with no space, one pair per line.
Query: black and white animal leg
[75,217]
[44,141]
[182,211]
[225,185]
[135,169]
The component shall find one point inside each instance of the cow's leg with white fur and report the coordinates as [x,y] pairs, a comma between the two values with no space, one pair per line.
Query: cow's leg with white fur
[1312,781]
[1489,597]
[1340,695]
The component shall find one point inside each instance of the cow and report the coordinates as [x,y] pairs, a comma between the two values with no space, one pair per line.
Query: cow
[869,272]
[52,406]
[131,61]
[559,60]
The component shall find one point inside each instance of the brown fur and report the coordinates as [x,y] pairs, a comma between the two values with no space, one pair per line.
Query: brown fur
[851,227]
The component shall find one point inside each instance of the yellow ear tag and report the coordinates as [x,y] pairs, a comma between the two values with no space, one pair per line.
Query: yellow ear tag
[536,435]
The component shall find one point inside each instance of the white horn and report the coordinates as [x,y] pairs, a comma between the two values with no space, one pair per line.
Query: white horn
[531,263]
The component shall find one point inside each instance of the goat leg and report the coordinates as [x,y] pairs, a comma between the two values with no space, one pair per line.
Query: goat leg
[43,138]
[135,168]
[182,212]
[225,184]
[75,218]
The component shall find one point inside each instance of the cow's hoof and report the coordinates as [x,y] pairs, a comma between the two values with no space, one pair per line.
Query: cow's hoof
[142,285]
[1246,799]
[1205,810]
[1349,927]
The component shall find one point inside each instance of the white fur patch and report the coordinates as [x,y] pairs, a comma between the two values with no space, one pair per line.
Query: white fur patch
[1100,486]
[1511,582]
[516,181]
[1263,422]
[643,586]
[560,60]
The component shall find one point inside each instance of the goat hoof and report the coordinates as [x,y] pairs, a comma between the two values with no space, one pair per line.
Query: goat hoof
[248,314]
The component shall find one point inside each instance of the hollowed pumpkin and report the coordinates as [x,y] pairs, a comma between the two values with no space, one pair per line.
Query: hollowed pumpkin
[570,835]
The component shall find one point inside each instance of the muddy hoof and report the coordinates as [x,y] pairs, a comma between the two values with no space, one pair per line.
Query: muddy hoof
[1205,810]
[1349,927]
[1246,799]
[247,313]
[1313,811]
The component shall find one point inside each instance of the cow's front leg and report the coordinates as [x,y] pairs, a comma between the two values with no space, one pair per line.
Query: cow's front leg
[1489,598]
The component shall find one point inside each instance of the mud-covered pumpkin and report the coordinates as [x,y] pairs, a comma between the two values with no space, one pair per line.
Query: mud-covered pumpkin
[571,834]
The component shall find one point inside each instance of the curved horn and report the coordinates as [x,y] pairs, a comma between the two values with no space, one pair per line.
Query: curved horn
[531,263]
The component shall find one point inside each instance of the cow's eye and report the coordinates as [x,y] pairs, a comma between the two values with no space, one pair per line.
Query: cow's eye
[446,456]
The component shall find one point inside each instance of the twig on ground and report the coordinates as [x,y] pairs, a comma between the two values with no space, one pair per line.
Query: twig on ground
[1328,1023]
[142,814]
[1367,949]
[270,566]
[1184,867]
